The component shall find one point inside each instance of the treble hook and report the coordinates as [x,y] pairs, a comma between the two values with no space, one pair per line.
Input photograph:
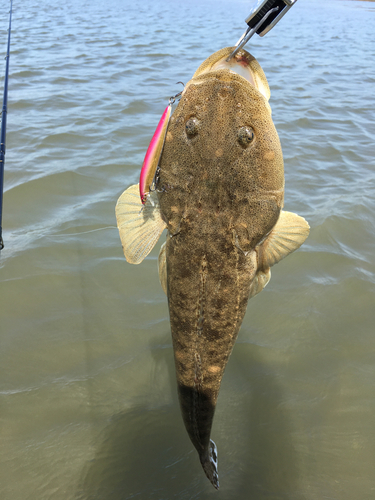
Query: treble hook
[173,98]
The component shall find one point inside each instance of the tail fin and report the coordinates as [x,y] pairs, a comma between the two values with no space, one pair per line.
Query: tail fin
[209,463]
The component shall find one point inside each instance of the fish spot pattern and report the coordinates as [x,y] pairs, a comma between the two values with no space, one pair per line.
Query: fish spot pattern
[222,176]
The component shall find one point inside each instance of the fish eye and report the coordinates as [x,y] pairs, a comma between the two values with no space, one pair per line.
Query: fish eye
[245,136]
[192,126]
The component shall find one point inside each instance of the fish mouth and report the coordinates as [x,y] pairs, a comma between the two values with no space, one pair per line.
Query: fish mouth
[242,64]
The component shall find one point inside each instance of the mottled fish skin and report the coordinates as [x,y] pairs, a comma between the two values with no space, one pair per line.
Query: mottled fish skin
[219,192]
[219,199]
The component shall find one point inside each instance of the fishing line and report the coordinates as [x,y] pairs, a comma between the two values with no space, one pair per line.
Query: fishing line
[3,129]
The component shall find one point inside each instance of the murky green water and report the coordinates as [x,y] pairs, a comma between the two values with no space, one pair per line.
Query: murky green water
[88,399]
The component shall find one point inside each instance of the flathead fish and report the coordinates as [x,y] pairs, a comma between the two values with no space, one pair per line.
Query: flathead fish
[219,192]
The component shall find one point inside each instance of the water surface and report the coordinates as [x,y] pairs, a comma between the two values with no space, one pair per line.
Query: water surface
[87,389]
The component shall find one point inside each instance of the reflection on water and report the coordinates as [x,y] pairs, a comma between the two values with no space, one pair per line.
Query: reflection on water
[125,455]
[88,397]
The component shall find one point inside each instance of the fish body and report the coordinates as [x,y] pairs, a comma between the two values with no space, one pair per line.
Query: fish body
[219,193]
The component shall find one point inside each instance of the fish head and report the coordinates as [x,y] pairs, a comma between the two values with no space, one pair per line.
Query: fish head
[224,117]
[243,64]
[221,136]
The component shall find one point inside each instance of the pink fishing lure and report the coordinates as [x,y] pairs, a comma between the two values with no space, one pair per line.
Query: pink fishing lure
[153,153]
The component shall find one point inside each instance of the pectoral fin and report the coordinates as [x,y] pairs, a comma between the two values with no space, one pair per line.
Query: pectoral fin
[289,233]
[140,226]
[162,266]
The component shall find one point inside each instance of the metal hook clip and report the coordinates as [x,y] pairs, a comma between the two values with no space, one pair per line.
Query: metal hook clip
[262,19]
[174,97]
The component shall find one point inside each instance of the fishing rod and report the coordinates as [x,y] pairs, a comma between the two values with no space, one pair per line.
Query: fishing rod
[3,129]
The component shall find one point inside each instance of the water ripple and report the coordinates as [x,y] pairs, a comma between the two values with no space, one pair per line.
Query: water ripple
[88,83]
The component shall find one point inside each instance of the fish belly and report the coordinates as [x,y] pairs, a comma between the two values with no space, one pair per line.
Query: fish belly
[209,281]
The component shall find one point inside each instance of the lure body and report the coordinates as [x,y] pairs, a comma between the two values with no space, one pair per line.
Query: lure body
[153,153]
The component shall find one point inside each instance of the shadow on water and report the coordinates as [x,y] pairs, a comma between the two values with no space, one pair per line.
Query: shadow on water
[145,453]
[258,432]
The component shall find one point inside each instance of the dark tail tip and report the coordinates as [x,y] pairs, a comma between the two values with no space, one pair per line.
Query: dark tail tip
[209,463]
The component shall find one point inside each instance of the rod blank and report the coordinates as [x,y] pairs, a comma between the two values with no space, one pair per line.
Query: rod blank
[4,127]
